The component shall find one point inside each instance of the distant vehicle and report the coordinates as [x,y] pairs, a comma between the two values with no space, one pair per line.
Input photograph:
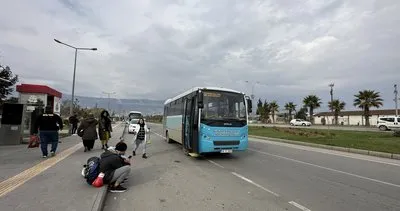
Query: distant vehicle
[299,122]
[388,123]
[208,119]
[133,118]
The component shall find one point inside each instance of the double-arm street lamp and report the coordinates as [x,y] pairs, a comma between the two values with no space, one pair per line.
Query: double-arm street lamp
[71,109]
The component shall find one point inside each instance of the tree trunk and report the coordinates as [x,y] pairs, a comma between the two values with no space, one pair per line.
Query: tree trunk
[366,114]
[336,119]
[290,115]
[311,115]
[273,117]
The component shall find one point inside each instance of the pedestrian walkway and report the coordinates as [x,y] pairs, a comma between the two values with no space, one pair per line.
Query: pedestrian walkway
[29,182]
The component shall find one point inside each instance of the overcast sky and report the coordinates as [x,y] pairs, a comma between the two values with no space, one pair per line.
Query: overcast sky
[157,49]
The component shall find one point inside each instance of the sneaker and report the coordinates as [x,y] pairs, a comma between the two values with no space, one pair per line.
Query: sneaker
[52,154]
[144,156]
[118,189]
[44,156]
[133,153]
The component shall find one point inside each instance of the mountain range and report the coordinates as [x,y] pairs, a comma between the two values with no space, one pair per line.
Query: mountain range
[121,106]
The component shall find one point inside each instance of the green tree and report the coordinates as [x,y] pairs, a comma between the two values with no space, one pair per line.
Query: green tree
[365,100]
[290,107]
[7,82]
[302,113]
[12,100]
[266,110]
[312,102]
[337,106]
[274,108]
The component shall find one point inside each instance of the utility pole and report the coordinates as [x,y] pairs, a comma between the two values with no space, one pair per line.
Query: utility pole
[252,97]
[109,98]
[331,93]
[396,99]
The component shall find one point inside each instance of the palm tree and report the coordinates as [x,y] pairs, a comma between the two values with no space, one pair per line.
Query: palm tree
[337,106]
[312,102]
[290,107]
[365,100]
[273,106]
[265,111]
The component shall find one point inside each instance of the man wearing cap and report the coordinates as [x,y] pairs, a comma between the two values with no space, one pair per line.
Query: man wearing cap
[48,124]
[115,167]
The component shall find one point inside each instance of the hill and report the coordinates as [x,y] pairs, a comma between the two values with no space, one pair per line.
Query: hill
[145,106]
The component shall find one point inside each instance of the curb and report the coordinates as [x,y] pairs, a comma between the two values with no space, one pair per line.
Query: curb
[342,149]
[100,199]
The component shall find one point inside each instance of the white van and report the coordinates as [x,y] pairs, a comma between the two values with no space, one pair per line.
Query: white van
[388,123]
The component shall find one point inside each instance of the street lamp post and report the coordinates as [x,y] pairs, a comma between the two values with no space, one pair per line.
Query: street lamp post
[396,98]
[71,109]
[109,94]
[331,93]
[252,95]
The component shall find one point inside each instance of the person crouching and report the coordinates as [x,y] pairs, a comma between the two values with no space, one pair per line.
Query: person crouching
[115,167]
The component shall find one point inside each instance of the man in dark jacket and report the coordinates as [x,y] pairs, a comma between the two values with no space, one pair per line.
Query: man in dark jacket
[115,168]
[48,124]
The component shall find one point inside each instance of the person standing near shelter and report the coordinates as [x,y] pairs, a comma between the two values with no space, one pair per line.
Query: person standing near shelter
[87,130]
[48,124]
[73,121]
[105,128]
[141,138]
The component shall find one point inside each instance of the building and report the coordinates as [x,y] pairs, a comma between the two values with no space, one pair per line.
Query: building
[352,117]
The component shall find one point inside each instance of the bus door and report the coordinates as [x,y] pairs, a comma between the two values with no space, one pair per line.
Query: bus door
[188,120]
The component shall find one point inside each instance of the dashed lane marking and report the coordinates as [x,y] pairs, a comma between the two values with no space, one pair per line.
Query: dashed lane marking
[215,163]
[255,184]
[329,169]
[299,206]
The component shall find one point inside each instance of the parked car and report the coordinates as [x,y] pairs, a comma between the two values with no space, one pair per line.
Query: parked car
[388,123]
[299,122]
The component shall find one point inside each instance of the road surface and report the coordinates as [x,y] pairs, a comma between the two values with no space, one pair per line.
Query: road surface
[269,176]
[324,127]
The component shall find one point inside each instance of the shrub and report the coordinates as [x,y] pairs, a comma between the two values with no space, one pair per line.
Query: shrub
[396,133]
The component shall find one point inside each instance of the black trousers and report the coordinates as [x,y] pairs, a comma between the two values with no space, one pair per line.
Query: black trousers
[88,143]
[74,128]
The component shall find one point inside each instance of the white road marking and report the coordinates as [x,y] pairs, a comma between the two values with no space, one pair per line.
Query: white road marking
[215,163]
[158,134]
[330,169]
[255,184]
[330,152]
[299,206]
[116,125]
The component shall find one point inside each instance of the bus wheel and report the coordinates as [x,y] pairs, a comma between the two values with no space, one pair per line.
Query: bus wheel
[167,139]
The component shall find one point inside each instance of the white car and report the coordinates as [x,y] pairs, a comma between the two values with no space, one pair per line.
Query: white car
[133,126]
[299,122]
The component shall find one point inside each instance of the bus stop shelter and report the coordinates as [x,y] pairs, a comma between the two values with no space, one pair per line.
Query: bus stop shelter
[36,97]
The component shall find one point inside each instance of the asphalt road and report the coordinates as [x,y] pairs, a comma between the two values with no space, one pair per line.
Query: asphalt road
[324,127]
[269,176]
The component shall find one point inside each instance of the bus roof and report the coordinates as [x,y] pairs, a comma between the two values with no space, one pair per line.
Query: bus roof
[202,88]
[137,112]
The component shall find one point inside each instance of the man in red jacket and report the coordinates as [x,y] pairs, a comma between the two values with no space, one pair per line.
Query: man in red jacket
[115,167]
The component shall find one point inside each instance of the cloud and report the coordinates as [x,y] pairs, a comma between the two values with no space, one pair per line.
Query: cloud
[157,49]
